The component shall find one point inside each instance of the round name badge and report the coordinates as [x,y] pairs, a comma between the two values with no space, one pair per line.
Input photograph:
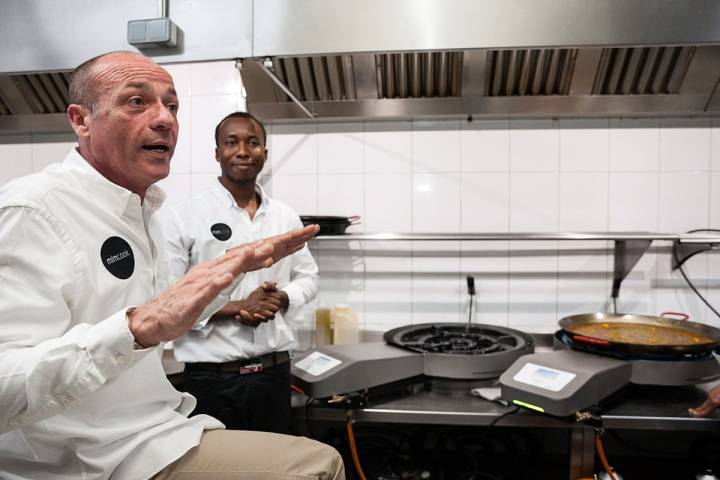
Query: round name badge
[221,231]
[117,257]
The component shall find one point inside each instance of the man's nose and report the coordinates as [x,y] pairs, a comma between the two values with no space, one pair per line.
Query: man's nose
[163,118]
[242,150]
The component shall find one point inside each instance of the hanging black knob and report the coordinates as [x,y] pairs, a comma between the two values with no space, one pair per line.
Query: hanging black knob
[471,285]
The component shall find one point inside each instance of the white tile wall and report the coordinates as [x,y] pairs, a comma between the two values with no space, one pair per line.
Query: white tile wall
[436,202]
[388,147]
[533,202]
[685,145]
[340,148]
[436,146]
[485,146]
[715,144]
[534,146]
[458,176]
[48,149]
[584,145]
[16,155]
[634,145]
[485,202]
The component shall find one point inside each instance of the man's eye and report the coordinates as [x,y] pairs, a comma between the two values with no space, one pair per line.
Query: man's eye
[173,107]
[136,101]
[230,142]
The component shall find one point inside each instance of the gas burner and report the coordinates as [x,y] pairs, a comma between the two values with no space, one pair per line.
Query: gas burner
[564,338]
[457,339]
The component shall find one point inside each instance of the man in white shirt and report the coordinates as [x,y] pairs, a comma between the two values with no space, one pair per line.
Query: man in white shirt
[85,305]
[238,360]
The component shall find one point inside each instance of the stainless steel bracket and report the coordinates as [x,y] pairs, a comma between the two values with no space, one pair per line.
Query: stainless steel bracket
[266,65]
[627,254]
[684,250]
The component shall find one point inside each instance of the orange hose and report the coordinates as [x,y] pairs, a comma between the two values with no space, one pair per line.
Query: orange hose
[603,459]
[353,451]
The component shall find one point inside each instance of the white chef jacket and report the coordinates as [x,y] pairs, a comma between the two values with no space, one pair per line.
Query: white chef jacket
[190,239]
[76,401]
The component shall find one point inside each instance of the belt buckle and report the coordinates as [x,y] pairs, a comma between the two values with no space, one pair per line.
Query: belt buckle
[251,368]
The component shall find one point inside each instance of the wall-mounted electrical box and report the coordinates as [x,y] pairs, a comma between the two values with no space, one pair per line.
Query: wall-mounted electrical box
[152,32]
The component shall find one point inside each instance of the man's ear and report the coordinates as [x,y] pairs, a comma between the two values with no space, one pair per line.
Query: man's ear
[79,118]
[217,155]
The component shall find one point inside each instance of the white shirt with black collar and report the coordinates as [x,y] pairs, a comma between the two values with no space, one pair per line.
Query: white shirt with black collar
[202,228]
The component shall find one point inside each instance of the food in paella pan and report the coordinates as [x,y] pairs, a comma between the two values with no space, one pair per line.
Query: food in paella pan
[639,334]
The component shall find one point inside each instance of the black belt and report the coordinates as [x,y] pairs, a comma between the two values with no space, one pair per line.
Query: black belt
[246,365]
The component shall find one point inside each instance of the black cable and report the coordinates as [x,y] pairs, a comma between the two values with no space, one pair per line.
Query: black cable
[308,402]
[690,284]
[500,417]
[703,230]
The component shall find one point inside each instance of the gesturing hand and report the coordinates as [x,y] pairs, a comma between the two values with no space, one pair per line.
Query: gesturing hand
[259,307]
[174,311]
[710,404]
[282,245]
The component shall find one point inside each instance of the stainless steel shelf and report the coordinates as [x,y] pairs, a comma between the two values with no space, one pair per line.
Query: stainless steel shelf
[607,236]
[628,249]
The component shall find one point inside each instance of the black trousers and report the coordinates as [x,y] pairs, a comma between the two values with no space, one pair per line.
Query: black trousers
[253,401]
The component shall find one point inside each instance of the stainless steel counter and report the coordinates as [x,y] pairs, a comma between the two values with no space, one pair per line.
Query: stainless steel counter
[450,403]
[644,408]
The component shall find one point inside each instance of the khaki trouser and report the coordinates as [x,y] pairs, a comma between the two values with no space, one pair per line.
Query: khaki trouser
[246,455]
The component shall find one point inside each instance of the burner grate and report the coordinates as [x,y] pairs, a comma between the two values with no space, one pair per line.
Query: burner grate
[456,339]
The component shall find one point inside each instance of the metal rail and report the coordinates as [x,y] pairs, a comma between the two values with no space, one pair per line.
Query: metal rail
[607,236]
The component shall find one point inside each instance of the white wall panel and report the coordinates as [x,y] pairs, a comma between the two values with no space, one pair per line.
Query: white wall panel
[207,112]
[584,145]
[634,145]
[436,146]
[340,148]
[533,202]
[685,145]
[294,149]
[341,195]
[436,203]
[47,149]
[485,146]
[16,158]
[633,202]
[715,144]
[388,147]
[485,202]
[298,191]
[583,202]
[534,146]
[388,203]
[684,201]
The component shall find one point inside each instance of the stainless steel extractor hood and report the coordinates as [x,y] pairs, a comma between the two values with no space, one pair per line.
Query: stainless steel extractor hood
[494,58]
[379,59]
[34,102]
[535,82]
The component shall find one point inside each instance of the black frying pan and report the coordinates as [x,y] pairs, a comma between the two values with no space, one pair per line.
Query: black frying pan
[330,225]
[624,333]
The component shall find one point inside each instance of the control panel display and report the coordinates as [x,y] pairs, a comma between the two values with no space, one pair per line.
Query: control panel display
[543,377]
[317,363]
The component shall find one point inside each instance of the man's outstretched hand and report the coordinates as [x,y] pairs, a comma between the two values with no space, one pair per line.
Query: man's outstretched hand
[710,404]
[174,311]
[282,245]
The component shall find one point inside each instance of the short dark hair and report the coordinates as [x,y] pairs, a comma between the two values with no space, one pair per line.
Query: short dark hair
[83,90]
[240,115]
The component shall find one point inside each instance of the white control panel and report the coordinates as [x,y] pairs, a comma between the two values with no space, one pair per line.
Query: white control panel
[543,377]
[317,363]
